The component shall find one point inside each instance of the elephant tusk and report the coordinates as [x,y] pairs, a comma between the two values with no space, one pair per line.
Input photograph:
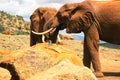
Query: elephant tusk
[52,31]
[43,38]
[58,38]
[45,32]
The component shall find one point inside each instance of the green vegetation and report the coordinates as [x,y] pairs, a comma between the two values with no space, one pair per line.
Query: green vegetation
[15,23]
[1,56]
[22,33]
[20,17]
[1,28]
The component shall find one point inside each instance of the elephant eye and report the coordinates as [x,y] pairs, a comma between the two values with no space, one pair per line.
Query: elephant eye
[33,16]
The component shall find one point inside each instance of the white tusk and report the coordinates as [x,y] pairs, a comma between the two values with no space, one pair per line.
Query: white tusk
[43,38]
[52,31]
[58,38]
[45,32]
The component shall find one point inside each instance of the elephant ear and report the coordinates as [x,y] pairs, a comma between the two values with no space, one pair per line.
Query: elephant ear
[31,24]
[88,19]
[41,11]
[86,16]
[74,10]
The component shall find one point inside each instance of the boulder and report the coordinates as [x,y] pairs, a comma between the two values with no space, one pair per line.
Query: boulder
[26,63]
[65,70]
[4,74]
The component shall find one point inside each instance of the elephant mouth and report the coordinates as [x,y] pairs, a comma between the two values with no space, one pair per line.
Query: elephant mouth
[51,30]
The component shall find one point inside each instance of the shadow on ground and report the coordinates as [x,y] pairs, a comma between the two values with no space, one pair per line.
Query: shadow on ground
[117,74]
[110,45]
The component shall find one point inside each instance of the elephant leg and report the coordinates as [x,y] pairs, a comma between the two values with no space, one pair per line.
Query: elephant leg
[86,57]
[57,37]
[91,50]
[32,39]
[53,37]
[91,54]
[39,39]
[97,65]
[94,52]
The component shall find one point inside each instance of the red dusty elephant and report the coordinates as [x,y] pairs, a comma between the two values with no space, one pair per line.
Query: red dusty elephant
[97,20]
[39,17]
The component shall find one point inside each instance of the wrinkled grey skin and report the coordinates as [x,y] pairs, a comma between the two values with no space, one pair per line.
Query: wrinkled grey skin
[97,20]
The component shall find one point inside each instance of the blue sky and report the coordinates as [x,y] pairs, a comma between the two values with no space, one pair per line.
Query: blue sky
[26,7]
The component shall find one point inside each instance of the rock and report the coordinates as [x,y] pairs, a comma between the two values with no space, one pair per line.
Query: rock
[66,37]
[65,70]
[4,74]
[25,63]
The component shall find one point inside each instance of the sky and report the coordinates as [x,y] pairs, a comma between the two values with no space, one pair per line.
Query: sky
[26,7]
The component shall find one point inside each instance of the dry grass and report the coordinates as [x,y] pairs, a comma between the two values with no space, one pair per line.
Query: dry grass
[109,54]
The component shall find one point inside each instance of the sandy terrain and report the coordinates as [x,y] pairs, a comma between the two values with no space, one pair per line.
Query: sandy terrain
[109,54]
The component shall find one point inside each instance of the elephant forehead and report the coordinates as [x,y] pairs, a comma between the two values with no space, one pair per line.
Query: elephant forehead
[62,10]
[34,15]
[68,7]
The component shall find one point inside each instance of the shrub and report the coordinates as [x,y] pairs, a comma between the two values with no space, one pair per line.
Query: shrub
[21,33]
[2,29]
[20,17]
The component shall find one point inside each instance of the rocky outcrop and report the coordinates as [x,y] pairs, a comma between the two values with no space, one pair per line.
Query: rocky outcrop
[65,70]
[45,59]
[5,74]
[13,24]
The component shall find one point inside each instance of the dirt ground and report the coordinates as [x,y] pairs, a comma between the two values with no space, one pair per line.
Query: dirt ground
[109,54]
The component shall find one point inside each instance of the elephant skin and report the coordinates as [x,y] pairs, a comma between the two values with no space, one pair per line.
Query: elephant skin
[39,17]
[98,20]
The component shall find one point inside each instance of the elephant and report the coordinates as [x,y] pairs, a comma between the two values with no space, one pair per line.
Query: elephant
[38,19]
[98,20]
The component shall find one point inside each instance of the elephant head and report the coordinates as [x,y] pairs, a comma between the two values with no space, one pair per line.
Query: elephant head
[81,19]
[76,17]
[39,17]
[59,21]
